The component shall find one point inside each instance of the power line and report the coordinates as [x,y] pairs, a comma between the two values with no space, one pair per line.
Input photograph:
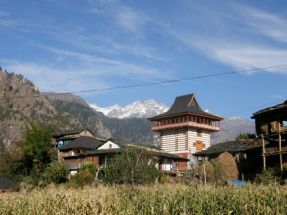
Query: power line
[157,83]
[177,80]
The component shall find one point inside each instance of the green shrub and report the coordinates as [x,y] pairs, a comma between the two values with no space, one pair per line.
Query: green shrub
[86,175]
[271,175]
[55,173]
[30,181]
[37,149]
[132,166]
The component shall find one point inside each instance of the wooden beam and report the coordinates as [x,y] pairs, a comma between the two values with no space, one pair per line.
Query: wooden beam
[280,148]
[263,153]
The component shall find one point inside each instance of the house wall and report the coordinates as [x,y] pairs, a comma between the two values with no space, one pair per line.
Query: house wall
[109,145]
[86,133]
[184,142]
[77,163]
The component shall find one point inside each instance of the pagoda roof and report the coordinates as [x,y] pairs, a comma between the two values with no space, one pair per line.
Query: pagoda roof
[186,104]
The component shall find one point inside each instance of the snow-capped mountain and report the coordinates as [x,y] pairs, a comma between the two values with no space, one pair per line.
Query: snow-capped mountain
[137,109]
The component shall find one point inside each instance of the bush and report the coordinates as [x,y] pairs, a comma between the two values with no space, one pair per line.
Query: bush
[30,181]
[55,173]
[131,166]
[209,170]
[86,175]
[271,175]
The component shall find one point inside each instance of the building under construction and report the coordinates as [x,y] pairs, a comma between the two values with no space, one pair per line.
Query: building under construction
[271,126]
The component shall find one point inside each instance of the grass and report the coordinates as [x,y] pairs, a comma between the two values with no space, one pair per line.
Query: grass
[155,199]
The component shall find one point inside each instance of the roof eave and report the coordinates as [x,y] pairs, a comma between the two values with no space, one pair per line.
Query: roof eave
[186,113]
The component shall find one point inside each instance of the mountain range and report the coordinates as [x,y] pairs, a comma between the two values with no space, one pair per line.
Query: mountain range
[229,127]
[21,104]
[136,109]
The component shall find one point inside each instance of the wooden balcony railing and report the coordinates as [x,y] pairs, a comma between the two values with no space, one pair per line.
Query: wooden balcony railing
[185,124]
[275,150]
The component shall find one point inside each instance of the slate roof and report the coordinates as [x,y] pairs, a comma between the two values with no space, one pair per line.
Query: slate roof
[186,104]
[231,146]
[119,150]
[149,149]
[281,106]
[83,142]
[125,143]
[6,183]
[58,134]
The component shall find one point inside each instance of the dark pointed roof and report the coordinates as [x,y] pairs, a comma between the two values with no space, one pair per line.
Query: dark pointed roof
[84,142]
[186,104]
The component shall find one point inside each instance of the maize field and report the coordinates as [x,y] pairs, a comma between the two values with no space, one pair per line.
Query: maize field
[155,199]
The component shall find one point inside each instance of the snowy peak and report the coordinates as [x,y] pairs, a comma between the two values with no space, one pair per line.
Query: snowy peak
[147,108]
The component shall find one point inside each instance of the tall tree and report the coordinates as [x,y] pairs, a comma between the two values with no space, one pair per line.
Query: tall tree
[37,149]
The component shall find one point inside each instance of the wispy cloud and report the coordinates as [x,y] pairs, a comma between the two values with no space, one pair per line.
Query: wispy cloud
[53,79]
[127,18]
[106,66]
[137,50]
[244,49]
[268,24]
[79,71]
[245,56]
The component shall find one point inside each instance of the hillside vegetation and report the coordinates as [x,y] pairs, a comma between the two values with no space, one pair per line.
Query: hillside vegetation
[21,104]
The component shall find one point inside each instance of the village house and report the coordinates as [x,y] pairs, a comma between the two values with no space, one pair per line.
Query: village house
[268,149]
[62,138]
[271,127]
[185,129]
[87,149]
[247,155]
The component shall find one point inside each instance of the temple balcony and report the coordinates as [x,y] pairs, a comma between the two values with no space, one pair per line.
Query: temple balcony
[158,127]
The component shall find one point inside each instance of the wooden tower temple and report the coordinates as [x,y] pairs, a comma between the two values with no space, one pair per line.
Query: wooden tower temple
[184,129]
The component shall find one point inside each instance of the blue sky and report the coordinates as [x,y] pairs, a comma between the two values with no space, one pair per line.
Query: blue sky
[69,45]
